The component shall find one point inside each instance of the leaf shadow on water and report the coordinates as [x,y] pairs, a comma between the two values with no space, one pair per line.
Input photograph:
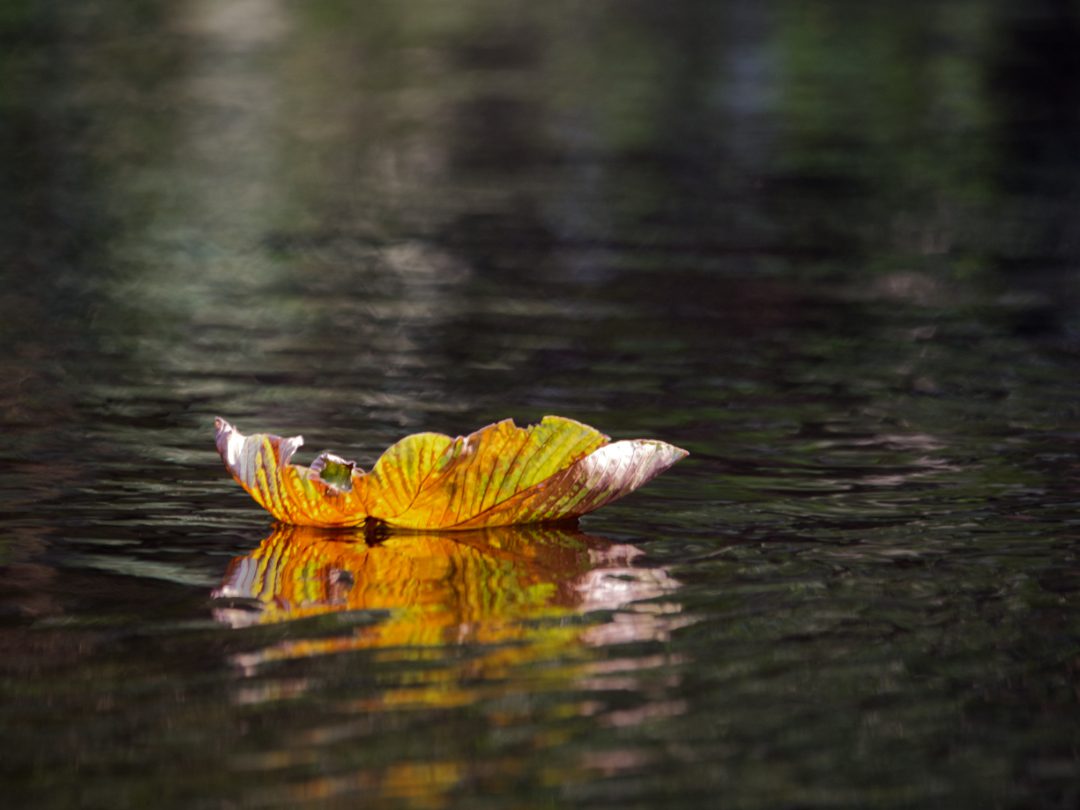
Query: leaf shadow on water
[515,594]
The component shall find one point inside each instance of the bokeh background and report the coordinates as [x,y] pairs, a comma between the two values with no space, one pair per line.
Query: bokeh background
[830,248]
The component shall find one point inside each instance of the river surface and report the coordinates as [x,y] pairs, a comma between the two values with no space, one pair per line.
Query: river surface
[831,249]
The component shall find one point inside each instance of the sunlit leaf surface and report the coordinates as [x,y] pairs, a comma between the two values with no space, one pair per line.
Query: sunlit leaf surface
[499,475]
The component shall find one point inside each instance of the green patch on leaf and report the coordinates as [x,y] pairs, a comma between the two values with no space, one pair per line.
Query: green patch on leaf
[334,470]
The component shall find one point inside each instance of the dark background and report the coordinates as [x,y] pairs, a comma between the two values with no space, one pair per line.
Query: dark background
[830,248]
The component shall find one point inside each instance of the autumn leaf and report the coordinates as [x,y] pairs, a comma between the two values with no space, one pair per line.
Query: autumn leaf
[499,475]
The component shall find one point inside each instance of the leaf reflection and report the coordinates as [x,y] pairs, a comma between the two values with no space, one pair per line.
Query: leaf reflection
[492,586]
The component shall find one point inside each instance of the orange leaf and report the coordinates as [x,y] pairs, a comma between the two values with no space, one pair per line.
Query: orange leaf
[499,475]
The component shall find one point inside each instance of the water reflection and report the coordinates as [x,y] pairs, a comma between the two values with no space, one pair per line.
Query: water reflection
[528,591]
[521,630]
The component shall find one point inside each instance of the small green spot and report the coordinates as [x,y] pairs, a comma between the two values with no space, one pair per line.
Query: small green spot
[334,470]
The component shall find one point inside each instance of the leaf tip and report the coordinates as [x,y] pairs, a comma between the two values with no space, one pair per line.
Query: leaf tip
[228,441]
[221,427]
[231,442]
[670,455]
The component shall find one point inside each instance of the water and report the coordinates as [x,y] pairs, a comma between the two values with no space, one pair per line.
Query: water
[831,251]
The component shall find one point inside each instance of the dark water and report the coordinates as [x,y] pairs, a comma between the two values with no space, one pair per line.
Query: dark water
[829,248]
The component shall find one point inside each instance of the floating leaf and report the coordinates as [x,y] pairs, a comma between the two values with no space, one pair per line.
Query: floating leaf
[499,475]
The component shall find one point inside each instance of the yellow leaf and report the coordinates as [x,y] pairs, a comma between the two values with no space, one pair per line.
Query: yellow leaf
[499,475]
